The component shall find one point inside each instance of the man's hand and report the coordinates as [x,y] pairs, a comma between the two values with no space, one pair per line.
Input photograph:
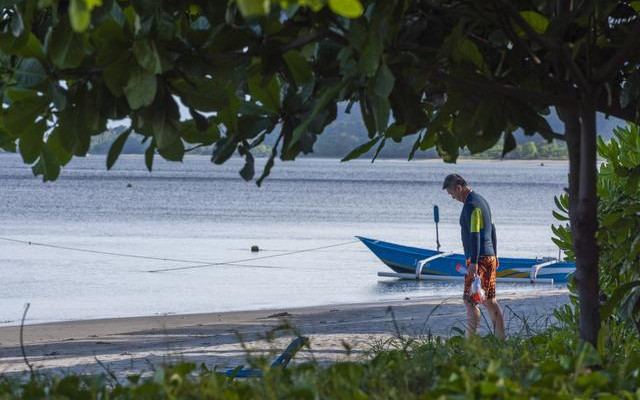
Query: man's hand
[473,270]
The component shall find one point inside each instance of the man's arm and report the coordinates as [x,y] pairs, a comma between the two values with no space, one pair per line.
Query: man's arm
[494,240]
[476,224]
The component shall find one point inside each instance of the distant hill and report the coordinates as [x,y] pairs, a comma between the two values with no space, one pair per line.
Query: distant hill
[344,134]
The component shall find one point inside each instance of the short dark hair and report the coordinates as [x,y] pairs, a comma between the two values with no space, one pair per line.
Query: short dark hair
[453,180]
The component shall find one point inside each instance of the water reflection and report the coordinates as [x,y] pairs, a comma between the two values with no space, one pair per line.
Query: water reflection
[423,288]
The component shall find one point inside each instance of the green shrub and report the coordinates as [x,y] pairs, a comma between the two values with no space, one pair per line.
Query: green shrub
[619,224]
[550,365]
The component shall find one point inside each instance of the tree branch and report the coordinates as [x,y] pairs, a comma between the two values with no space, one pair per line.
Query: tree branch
[535,36]
[504,21]
[574,69]
[549,44]
[628,114]
[629,47]
[504,89]
[558,136]
[303,41]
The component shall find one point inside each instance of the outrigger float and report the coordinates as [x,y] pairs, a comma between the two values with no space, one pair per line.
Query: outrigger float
[416,263]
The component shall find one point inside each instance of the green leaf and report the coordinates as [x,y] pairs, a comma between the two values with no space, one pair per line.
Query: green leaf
[610,219]
[616,298]
[80,13]
[266,91]
[79,120]
[58,96]
[251,8]
[346,8]
[326,95]
[467,51]
[116,148]
[537,21]
[32,49]
[559,216]
[384,81]
[30,73]
[381,111]
[224,149]
[30,143]
[447,146]
[561,203]
[47,166]
[148,155]
[379,149]
[57,149]
[298,66]
[367,114]
[116,75]
[203,94]
[165,130]
[270,162]
[248,170]
[201,122]
[141,88]
[191,134]
[360,150]
[10,44]
[371,54]
[7,143]
[428,141]
[67,48]
[251,126]
[22,114]
[73,137]
[16,24]
[110,42]
[415,147]
[175,152]
[145,8]
[396,132]
[147,55]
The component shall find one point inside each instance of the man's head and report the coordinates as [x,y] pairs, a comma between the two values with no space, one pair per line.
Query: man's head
[456,187]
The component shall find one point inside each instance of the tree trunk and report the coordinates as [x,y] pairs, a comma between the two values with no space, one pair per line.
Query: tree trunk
[585,225]
[580,132]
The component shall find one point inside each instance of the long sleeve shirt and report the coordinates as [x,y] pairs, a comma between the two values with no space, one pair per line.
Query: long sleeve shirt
[477,229]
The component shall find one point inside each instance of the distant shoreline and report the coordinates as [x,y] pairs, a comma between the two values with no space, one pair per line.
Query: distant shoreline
[259,157]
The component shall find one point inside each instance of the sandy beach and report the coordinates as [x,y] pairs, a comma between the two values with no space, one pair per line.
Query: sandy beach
[345,332]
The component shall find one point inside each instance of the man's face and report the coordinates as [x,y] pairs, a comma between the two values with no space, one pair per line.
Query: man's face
[455,191]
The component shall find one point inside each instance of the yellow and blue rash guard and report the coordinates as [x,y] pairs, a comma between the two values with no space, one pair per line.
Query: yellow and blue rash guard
[477,229]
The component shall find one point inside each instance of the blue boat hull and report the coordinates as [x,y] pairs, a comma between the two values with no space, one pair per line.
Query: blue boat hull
[404,259]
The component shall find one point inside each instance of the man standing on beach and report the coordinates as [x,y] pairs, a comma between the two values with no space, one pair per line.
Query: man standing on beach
[480,249]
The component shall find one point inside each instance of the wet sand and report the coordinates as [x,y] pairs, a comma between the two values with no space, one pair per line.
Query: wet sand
[126,346]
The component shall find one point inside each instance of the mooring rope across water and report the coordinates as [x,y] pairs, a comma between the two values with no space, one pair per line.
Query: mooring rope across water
[109,253]
[254,258]
[201,264]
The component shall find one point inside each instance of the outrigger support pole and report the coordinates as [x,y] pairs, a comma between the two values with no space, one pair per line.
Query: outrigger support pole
[436,218]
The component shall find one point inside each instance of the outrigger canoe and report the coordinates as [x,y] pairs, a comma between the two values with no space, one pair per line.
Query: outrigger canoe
[416,263]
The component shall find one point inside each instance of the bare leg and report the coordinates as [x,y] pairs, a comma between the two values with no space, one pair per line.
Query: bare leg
[473,318]
[496,317]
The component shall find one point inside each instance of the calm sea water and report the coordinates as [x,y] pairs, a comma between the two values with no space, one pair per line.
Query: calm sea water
[204,213]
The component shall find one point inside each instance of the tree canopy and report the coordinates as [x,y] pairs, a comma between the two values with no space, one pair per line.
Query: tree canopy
[447,74]
[451,74]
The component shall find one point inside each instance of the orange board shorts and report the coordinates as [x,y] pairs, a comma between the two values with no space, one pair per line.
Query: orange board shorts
[487,266]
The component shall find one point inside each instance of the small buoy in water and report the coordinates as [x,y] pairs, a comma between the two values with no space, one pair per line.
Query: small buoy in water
[255,249]
[542,164]
[129,185]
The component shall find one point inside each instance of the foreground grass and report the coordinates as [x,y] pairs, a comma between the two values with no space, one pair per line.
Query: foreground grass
[550,365]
